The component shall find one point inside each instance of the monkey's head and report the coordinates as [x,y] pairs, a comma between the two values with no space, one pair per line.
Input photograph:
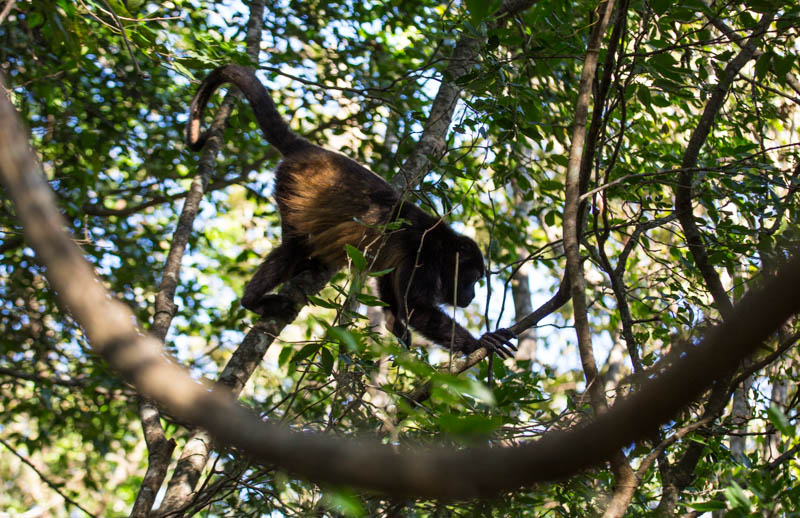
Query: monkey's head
[470,271]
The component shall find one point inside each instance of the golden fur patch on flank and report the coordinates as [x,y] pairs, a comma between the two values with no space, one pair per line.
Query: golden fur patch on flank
[328,215]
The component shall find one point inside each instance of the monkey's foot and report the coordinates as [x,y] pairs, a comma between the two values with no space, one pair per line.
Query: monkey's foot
[273,305]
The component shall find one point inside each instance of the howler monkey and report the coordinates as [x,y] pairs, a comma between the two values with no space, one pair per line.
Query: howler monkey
[327,201]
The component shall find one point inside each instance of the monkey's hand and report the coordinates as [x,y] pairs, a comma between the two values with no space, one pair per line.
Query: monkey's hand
[500,342]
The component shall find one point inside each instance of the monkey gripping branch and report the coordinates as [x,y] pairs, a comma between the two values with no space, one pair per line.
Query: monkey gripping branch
[433,472]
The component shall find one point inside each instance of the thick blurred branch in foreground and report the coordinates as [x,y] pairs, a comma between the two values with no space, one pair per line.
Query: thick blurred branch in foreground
[434,472]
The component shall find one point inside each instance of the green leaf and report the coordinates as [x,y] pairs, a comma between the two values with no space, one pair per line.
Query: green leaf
[370,300]
[780,421]
[305,352]
[355,255]
[783,65]
[551,185]
[737,498]
[326,358]
[35,19]
[498,370]
[469,425]
[285,354]
[531,132]
[458,386]
[765,6]
[711,505]
[643,93]
[345,338]
[344,502]
[182,69]
[660,100]
[660,6]
[480,391]
[380,273]
[322,302]
[762,65]
[480,9]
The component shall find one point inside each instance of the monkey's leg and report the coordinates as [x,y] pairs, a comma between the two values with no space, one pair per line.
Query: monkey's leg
[290,259]
[279,266]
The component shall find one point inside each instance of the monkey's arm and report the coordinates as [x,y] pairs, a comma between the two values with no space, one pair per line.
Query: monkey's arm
[435,325]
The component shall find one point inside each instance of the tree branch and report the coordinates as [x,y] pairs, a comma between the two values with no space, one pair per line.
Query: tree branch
[683,192]
[579,162]
[678,476]
[434,472]
[432,143]
[198,447]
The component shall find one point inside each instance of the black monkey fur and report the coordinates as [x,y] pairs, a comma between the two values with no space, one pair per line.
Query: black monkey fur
[326,201]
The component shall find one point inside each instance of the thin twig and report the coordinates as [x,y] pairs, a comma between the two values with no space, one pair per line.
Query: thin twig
[7,9]
[44,478]
[125,39]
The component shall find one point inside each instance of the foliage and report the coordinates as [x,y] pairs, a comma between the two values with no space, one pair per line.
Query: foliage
[106,111]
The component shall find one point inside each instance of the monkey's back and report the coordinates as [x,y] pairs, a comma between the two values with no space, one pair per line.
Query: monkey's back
[330,201]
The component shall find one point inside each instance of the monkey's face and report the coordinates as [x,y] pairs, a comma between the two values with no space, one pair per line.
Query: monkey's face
[470,271]
[466,289]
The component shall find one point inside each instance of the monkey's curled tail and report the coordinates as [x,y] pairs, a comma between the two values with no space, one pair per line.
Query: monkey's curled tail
[275,128]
